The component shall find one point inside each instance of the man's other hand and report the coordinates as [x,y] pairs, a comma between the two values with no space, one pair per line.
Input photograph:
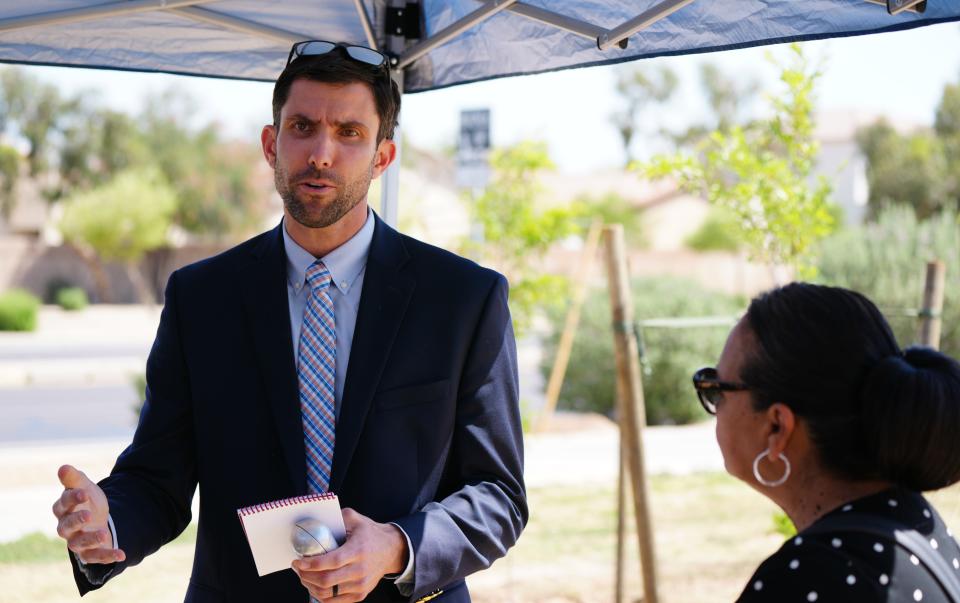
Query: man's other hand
[372,550]
[81,513]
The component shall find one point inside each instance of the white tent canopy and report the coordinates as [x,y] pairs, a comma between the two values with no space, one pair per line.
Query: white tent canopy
[432,43]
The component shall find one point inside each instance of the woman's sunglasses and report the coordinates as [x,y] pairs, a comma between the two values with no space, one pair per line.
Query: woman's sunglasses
[710,389]
[310,48]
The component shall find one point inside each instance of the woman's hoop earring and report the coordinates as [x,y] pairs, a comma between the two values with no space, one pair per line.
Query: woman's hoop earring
[760,478]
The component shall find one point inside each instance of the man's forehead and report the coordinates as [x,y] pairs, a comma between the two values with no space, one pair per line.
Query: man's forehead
[317,99]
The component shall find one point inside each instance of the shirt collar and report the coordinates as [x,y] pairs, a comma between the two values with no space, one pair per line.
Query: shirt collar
[345,263]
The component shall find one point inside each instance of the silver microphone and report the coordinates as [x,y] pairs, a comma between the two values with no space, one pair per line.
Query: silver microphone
[312,537]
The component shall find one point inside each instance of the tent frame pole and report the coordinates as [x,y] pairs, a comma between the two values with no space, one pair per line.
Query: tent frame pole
[390,180]
[451,31]
[581,28]
[641,21]
[74,15]
[241,25]
[910,5]
[367,26]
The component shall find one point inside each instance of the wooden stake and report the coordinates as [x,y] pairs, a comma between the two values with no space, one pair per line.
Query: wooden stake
[633,418]
[622,502]
[581,280]
[932,304]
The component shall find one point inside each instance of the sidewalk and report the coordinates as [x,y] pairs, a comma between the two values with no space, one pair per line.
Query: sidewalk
[104,345]
[99,345]
[28,472]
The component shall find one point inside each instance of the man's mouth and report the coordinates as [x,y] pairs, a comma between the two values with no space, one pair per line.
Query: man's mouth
[318,187]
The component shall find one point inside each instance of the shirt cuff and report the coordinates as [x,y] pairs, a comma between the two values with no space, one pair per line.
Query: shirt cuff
[113,531]
[404,582]
[97,577]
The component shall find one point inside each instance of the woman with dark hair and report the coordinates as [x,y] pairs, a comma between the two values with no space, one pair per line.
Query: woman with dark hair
[819,410]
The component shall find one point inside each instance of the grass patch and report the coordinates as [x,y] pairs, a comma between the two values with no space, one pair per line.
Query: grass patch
[711,532]
[41,548]
[32,548]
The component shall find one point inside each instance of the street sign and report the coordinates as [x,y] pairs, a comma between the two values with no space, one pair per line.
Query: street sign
[473,149]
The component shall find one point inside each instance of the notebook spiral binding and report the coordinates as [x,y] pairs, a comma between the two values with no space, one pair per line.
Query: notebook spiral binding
[286,502]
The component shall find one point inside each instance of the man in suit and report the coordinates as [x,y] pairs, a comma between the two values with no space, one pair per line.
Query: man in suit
[329,354]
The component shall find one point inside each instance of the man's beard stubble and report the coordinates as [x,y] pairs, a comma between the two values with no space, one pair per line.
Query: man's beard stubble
[315,215]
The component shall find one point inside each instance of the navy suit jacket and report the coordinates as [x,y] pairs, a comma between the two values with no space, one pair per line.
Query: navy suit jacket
[428,435]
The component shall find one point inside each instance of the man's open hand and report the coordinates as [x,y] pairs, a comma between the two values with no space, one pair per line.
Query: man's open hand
[81,513]
[372,550]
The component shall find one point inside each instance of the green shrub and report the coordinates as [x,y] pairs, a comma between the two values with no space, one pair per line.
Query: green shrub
[719,232]
[18,310]
[139,383]
[71,298]
[886,261]
[783,525]
[670,355]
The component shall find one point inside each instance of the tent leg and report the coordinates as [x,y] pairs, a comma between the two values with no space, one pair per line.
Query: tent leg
[390,183]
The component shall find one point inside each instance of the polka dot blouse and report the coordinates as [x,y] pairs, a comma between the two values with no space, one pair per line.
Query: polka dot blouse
[851,567]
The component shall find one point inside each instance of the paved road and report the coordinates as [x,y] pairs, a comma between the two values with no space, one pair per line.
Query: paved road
[46,350]
[66,413]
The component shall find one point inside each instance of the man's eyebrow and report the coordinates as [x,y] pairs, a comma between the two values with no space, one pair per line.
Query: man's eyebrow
[351,123]
[346,123]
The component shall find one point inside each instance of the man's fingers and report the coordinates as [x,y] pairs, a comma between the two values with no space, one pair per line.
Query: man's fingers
[351,518]
[329,579]
[68,500]
[326,562]
[346,592]
[102,556]
[71,477]
[72,522]
[83,541]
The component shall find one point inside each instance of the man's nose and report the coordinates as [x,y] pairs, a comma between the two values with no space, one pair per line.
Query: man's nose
[321,152]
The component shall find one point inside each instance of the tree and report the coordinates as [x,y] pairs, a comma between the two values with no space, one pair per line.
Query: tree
[640,89]
[10,162]
[907,169]
[97,145]
[517,233]
[760,173]
[33,110]
[726,97]
[74,145]
[120,221]
[212,177]
[611,208]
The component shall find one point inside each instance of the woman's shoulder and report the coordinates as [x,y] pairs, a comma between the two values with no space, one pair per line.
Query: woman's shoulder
[850,565]
[809,569]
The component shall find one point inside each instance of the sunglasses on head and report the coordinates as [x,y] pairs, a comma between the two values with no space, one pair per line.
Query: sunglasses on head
[710,389]
[311,48]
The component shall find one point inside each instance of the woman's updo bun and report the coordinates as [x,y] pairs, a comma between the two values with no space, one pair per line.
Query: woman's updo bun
[872,411]
[911,413]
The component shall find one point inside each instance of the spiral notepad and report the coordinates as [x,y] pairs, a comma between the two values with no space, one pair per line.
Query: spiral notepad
[268,527]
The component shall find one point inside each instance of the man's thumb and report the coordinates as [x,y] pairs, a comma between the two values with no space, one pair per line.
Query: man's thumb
[71,477]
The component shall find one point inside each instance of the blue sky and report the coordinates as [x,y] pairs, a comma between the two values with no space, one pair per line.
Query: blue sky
[898,74]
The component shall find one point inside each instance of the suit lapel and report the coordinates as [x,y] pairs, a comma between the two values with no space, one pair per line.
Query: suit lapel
[383,302]
[268,314]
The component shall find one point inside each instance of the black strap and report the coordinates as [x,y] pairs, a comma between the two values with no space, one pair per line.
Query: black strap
[911,540]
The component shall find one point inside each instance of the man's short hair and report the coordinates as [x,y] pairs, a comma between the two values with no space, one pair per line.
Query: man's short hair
[336,67]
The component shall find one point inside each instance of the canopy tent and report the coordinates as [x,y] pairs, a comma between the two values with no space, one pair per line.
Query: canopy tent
[432,43]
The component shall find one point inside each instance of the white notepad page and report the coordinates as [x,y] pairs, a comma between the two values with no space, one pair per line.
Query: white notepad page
[269,526]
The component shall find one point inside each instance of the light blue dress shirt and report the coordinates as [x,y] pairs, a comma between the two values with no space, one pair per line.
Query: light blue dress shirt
[347,264]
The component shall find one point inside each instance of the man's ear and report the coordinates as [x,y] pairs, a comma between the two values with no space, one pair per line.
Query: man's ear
[385,154]
[268,141]
[781,424]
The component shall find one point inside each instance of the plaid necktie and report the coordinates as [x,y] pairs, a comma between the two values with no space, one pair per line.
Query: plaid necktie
[316,370]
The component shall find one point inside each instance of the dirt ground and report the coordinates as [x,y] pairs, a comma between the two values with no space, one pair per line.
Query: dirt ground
[710,530]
